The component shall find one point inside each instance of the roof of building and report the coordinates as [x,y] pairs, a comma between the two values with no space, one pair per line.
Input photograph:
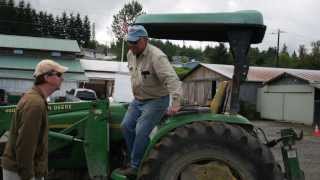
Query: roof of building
[104,66]
[38,43]
[308,78]
[21,67]
[264,74]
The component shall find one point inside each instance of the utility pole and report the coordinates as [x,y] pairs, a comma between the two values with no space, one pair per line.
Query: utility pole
[278,46]
[277,62]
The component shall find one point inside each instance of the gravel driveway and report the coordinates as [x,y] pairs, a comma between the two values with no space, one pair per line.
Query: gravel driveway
[308,147]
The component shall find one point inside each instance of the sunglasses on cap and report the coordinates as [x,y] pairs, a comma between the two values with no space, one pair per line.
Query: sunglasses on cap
[53,73]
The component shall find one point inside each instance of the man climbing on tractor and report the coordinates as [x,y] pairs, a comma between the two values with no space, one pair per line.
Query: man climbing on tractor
[153,80]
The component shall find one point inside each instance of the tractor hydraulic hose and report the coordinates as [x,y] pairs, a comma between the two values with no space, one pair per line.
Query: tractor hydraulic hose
[64,137]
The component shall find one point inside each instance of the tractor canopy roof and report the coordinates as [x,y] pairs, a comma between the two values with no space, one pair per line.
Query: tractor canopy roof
[203,26]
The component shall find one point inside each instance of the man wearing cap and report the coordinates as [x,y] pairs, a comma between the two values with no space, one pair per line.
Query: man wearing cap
[26,153]
[153,79]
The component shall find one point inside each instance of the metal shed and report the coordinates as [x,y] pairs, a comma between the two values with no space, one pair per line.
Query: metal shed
[291,96]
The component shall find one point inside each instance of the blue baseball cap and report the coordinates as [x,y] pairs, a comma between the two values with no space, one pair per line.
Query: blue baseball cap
[135,32]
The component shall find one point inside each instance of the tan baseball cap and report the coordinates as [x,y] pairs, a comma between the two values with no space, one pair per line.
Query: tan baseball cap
[48,65]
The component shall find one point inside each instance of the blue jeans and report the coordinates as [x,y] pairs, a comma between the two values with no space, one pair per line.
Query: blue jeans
[137,124]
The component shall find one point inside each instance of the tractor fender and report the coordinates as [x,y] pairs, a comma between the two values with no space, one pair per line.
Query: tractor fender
[174,122]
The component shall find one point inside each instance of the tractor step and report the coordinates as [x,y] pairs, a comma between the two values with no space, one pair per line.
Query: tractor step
[116,175]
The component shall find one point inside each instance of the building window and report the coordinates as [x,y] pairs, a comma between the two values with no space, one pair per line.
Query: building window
[56,54]
[18,51]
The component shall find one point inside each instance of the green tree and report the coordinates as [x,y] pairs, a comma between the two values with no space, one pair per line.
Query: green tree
[302,52]
[125,17]
[86,31]
[315,55]
[3,17]
[120,23]
[284,49]
[11,17]
[254,57]
[58,27]
[217,55]
[78,29]
[168,48]
[20,26]
[28,19]
[284,58]
[295,59]
[71,27]
[315,49]
[36,26]
[50,23]
[65,24]
[41,19]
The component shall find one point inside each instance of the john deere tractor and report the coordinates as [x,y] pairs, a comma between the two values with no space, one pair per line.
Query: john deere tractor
[85,141]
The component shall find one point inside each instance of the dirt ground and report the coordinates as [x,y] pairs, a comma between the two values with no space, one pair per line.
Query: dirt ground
[308,147]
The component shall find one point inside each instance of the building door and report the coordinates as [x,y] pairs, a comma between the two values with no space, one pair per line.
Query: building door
[288,103]
[213,89]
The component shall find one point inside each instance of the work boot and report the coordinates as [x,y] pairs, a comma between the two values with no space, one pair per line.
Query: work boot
[129,171]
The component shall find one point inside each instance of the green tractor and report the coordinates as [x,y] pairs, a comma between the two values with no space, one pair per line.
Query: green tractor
[85,141]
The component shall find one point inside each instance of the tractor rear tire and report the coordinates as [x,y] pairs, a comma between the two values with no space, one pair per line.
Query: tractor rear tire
[200,145]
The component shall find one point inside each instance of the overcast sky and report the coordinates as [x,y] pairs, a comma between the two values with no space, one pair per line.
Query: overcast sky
[299,19]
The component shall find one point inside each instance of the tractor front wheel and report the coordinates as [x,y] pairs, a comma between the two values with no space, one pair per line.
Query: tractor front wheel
[203,150]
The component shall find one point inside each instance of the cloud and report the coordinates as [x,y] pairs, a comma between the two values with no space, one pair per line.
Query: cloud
[297,18]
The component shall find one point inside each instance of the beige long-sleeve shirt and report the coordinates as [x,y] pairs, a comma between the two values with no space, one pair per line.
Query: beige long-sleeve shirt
[152,76]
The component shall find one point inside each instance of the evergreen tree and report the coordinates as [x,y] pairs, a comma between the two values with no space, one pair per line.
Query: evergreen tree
[302,52]
[86,31]
[315,49]
[71,27]
[217,55]
[28,19]
[11,19]
[65,25]
[3,17]
[41,19]
[58,28]
[78,30]
[315,54]
[284,58]
[50,23]
[45,25]
[254,57]
[20,26]
[36,26]
[295,59]
[284,49]
[294,56]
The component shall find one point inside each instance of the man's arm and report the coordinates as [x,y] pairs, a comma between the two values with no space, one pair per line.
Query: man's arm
[27,140]
[168,76]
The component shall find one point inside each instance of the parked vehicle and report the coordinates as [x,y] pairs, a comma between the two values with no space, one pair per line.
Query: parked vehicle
[83,94]
[195,143]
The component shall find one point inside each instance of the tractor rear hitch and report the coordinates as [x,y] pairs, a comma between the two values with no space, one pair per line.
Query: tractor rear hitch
[289,152]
